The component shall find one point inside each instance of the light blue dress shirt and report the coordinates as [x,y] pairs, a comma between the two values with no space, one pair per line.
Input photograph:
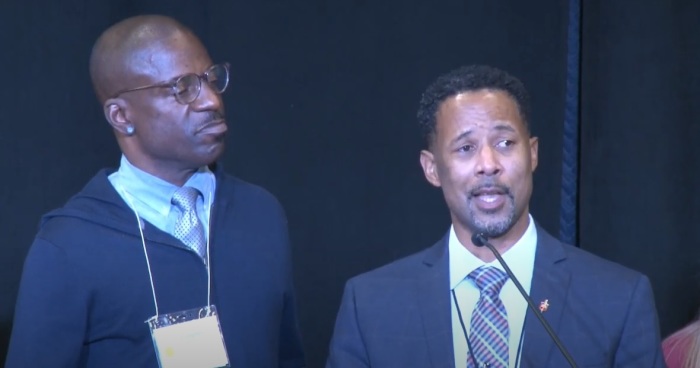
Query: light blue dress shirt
[151,197]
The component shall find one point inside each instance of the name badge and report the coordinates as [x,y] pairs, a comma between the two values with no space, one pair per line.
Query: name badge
[190,338]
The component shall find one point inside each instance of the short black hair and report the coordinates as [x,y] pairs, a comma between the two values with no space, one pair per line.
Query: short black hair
[465,79]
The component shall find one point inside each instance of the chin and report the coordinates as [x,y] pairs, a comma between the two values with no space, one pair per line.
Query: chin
[216,150]
[207,158]
[492,226]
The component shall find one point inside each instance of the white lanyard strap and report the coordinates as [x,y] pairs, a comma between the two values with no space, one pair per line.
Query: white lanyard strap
[127,196]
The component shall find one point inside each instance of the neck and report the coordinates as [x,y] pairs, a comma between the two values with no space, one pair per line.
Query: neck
[502,243]
[174,175]
[177,178]
[484,253]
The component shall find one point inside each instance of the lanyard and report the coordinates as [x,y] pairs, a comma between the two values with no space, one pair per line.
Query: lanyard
[128,197]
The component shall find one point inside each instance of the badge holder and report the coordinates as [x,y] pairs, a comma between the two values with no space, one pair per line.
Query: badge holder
[190,338]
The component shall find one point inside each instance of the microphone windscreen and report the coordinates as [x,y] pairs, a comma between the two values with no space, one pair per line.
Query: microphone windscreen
[479,239]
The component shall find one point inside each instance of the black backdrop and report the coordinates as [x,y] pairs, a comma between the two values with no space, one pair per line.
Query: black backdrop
[322,113]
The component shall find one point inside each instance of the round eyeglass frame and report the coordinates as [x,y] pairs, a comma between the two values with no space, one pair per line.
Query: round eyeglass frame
[187,80]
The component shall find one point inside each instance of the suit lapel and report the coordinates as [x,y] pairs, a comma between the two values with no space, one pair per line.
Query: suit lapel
[550,284]
[432,294]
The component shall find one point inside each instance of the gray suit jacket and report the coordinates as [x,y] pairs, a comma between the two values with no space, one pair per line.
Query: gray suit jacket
[399,315]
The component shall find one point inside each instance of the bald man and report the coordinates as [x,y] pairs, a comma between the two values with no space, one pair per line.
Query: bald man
[167,259]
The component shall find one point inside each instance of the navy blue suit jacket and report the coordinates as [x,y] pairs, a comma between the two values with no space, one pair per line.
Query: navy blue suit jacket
[399,315]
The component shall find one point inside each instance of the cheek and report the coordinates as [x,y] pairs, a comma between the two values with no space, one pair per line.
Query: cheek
[456,181]
[519,164]
[456,168]
[175,125]
[521,180]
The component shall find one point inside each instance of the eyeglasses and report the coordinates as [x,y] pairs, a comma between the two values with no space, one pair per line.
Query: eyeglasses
[186,88]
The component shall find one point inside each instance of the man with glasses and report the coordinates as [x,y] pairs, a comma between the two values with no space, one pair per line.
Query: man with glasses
[167,260]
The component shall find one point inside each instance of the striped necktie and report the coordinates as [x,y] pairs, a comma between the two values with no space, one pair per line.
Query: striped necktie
[489,326]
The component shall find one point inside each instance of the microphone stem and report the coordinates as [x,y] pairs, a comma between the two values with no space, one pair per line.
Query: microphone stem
[532,306]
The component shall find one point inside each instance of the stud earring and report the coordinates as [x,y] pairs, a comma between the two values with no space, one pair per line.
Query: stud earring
[129,130]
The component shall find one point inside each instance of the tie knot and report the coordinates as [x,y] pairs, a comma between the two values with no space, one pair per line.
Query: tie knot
[185,198]
[489,279]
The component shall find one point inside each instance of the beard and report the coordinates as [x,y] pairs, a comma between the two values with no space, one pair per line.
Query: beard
[493,224]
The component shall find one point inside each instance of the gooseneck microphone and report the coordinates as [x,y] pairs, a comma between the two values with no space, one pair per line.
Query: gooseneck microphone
[480,240]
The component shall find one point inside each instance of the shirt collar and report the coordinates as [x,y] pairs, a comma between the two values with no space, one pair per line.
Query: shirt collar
[157,193]
[518,257]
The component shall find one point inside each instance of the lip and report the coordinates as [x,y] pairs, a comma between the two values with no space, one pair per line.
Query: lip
[489,198]
[489,191]
[489,202]
[214,127]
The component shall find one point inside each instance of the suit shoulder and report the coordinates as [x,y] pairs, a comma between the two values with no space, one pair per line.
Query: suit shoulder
[403,268]
[586,262]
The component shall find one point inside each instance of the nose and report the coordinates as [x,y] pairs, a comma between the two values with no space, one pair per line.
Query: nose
[208,99]
[487,161]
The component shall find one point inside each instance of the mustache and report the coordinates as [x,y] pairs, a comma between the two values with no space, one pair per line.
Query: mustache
[213,116]
[210,118]
[489,184]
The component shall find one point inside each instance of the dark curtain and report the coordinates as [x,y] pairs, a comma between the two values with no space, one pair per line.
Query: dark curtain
[322,113]
[640,203]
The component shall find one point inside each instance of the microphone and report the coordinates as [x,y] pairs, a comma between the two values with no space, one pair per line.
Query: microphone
[480,240]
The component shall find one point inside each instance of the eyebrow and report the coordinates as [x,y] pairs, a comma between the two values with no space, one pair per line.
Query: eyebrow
[461,136]
[499,127]
[506,127]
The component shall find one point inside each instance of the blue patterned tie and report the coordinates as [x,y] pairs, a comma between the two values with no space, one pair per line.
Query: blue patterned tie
[489,330]
[188,228]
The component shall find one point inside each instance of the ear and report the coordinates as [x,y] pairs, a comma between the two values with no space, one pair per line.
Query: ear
[115,113]
[427,161]
[534,146]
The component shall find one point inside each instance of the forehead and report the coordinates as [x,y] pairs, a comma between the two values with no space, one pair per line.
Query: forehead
[479,109]
[169,57]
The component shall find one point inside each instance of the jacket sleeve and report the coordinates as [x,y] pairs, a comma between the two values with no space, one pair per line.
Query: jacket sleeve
[347,348]
[640,343]
[291,349]
[51,311]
